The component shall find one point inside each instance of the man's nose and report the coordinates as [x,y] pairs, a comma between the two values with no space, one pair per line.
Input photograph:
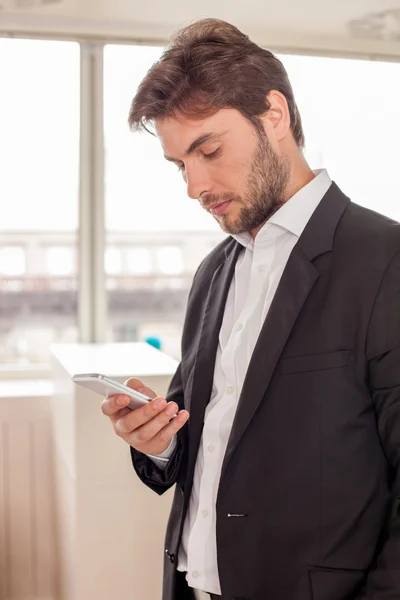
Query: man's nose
[197,182]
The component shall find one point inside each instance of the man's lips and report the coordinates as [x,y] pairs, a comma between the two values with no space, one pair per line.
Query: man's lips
[219,209]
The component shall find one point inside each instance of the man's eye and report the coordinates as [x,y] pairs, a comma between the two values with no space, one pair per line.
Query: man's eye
[212,154]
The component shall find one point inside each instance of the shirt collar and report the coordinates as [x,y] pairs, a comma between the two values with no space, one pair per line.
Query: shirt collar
[294,215]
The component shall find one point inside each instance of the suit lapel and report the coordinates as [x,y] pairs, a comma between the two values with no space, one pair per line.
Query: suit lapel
[207,348]
[296,284]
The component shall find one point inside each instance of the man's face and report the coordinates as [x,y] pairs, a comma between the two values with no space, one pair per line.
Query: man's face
[228,166]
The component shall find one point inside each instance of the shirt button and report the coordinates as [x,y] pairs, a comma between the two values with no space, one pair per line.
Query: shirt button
[229,390]
[210,448]
[205,513]
[239,327]
[261,268]
[195,574]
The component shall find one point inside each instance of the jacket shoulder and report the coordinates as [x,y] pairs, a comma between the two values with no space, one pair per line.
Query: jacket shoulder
[371,233]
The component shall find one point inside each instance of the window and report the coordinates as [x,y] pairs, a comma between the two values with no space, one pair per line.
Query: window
[155,235]
[60,260]
[12,261]
[112,261]
[139,261]
[148,216]
[170,260]
[350,113]
[39,157]
[349,110]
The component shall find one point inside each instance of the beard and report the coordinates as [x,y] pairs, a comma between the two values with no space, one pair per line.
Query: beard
[266,184]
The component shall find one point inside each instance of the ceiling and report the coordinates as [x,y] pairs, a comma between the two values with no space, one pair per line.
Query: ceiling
[363,27]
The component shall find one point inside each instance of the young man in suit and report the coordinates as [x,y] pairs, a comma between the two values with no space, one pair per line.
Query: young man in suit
[288,471]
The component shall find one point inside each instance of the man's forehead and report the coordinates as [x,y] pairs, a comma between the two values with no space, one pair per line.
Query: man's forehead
[177,133]
[185,126]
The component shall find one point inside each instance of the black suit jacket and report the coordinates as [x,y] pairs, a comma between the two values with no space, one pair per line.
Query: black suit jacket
[313,459]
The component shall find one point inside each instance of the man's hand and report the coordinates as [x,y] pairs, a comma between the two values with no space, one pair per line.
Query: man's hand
[148,429]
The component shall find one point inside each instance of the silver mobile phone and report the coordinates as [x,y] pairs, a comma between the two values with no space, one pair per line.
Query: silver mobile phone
[106,387]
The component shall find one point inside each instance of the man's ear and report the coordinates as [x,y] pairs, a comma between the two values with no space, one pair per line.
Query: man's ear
[276,119]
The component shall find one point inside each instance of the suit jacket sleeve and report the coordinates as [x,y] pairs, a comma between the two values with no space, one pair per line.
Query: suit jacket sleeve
[160,479]
[383,354]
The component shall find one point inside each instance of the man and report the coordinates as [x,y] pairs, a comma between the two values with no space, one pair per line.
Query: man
[287,472]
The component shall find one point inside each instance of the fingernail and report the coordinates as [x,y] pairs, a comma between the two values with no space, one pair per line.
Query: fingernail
[172,408]
[122,400]
[159,403]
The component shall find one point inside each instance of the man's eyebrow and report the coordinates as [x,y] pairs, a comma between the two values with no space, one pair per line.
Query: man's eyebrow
[205,137]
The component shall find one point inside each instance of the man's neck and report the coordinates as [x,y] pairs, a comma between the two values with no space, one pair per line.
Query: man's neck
[300,176]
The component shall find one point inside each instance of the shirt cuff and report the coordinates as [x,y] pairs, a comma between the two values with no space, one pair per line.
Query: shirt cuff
[162,459]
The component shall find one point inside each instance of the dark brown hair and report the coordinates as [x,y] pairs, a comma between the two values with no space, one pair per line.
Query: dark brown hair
[207,66]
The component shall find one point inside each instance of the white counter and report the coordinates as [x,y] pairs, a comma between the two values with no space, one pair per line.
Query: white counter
[110,526]
[115,360]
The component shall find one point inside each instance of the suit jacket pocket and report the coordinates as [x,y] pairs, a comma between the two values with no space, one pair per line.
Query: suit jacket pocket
[336,584]
[314,362]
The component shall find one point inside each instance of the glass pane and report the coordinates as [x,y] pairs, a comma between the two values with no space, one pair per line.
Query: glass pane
[350,115]
[156,235]
[39,154]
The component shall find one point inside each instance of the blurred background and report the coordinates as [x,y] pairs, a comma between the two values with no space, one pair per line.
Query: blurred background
[99,244]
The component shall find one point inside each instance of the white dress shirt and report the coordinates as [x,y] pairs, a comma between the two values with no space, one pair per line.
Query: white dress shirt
[258,271]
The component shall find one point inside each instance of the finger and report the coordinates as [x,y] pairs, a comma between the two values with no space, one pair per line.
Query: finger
[139,386]
[148,430]
[115,407]
[167,433]
[138,417]
[111,405]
